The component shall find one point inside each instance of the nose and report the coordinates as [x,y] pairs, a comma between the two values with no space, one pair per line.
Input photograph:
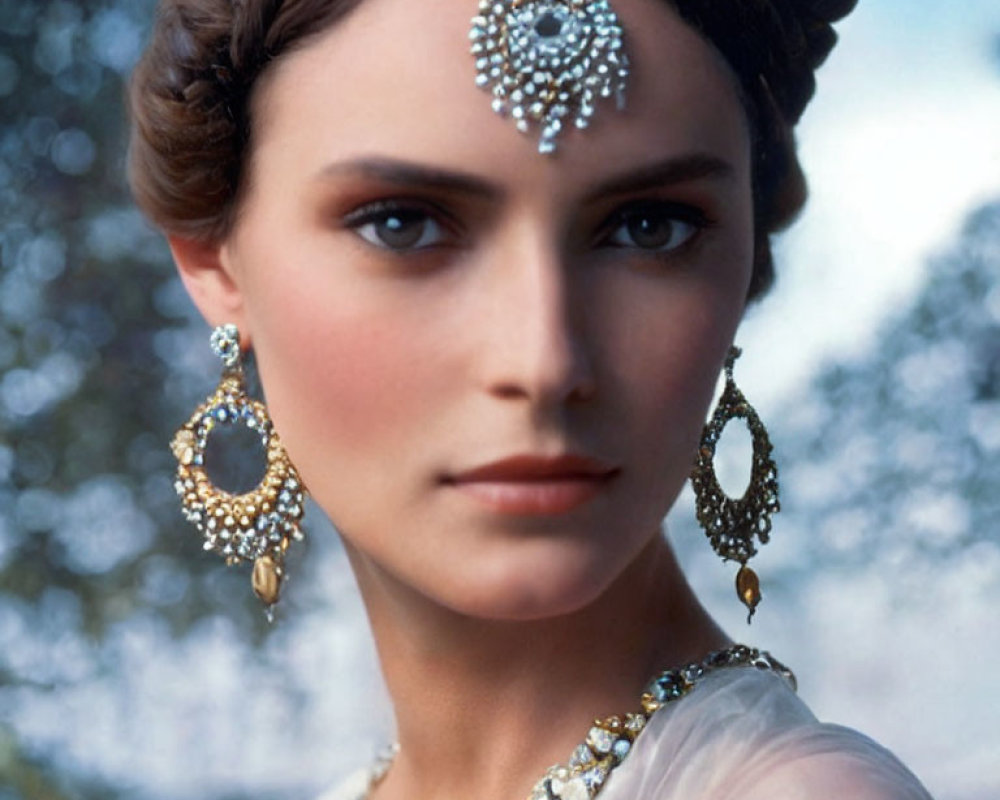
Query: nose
[537,348]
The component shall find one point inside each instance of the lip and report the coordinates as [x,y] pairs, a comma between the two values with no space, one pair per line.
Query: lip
[534,485]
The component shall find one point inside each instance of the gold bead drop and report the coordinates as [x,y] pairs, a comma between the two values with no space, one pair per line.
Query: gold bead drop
[266,580]
[748,589]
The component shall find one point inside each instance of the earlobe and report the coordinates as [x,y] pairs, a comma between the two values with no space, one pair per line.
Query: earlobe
[208,275]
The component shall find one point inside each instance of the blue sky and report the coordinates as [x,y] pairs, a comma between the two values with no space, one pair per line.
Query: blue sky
[901,142]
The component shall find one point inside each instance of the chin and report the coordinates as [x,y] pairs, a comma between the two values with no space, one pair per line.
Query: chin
[544,588]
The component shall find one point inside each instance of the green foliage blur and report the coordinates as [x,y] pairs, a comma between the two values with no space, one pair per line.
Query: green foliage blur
[99,362]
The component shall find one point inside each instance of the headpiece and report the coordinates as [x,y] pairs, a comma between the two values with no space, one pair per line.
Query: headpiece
[549,61]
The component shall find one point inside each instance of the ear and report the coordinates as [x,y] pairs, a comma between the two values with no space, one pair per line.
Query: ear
[207,272]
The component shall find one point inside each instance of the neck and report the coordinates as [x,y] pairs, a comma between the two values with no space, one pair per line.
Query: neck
[483,707]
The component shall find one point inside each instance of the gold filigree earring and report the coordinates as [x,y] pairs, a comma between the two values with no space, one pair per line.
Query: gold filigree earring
[256,526]
[732,525]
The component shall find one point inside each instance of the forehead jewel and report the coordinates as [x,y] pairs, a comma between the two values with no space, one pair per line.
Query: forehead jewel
[547,63]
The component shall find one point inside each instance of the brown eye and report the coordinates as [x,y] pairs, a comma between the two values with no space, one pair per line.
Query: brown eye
[658,227]
[396,227]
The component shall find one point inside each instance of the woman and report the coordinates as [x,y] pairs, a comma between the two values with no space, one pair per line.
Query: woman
[489,346]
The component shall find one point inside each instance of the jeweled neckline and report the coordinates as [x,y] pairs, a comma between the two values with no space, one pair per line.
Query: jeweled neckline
[610,740]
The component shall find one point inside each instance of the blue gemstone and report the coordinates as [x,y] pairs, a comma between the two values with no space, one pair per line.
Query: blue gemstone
[670,686]
[548,25]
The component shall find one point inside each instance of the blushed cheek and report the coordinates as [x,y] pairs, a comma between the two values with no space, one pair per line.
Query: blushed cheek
[339,386]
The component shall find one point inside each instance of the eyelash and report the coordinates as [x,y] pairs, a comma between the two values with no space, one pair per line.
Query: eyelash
[693,218]
[383,211]
[436,227]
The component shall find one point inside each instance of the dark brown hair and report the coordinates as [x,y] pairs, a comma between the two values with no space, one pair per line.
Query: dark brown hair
[190,99]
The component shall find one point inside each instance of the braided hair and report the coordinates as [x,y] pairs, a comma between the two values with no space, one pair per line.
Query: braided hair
[774,47]
[188,101]
[190,95]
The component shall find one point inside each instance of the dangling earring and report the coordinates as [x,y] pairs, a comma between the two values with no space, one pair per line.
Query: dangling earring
[256,526]
[731,525]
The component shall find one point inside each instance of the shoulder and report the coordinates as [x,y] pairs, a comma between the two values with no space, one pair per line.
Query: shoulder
[822,761]
[743,734]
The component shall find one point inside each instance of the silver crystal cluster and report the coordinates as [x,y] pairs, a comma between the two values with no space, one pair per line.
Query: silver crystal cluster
[592,762]
[609,741]
[548,62]
[225,344]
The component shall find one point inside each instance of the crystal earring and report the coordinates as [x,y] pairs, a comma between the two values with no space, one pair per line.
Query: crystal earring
[731,525]
[256,526]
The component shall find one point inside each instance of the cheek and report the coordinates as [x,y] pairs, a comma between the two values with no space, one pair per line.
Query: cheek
[338,375]
[667,354]
[672,387]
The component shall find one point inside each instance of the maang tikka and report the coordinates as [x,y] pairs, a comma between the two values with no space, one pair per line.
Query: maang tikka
[549,62]
[732,524]
[256,526]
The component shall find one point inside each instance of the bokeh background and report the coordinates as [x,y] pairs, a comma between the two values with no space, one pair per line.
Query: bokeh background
[132,665]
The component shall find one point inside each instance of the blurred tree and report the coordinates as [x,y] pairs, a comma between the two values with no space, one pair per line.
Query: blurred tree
[98,361]
[897,455]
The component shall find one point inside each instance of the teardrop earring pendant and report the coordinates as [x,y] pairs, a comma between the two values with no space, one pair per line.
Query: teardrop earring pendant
[732,524]
[255,526]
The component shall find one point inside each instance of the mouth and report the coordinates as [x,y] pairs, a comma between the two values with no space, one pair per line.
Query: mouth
[534,485]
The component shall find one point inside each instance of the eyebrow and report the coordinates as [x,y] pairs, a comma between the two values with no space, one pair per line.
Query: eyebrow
[673,170]
[404,173]
[682,169]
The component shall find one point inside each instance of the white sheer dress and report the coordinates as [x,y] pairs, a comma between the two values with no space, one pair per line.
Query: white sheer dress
[743,734]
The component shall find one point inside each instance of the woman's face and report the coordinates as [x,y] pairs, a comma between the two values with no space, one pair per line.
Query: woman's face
[491,367]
